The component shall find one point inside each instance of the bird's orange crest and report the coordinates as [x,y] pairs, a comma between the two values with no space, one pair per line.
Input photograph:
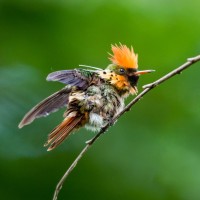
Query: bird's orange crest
[123,56]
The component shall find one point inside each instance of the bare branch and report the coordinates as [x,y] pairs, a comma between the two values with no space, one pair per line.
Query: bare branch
[178,70]
[146,88]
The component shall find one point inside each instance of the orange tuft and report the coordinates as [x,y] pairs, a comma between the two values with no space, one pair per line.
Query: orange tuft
[123,56]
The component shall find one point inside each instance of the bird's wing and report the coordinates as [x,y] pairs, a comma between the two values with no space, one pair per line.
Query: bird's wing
[78,77]
[47,106]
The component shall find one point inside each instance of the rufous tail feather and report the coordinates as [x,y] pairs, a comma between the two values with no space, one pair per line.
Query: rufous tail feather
[69,124]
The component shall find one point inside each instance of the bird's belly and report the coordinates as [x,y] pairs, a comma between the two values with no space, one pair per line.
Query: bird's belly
[99,103]
[95,123]
[103,112]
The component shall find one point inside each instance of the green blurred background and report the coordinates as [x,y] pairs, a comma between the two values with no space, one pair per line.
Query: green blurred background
[152,152]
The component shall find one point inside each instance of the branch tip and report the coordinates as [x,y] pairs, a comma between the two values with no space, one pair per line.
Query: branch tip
[194,59]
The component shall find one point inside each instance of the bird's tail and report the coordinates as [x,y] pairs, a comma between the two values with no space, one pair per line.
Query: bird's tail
[71,123]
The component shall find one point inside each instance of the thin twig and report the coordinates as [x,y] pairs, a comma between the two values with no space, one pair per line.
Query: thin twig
[146,88]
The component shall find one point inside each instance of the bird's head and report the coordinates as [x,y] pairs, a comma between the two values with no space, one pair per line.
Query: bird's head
[123,72]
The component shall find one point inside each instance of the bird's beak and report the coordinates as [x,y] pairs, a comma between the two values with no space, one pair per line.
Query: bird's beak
[143,72]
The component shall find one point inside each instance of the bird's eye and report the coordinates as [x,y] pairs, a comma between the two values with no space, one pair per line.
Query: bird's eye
[121,70]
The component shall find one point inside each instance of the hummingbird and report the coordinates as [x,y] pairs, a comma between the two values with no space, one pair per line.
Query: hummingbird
[92,96]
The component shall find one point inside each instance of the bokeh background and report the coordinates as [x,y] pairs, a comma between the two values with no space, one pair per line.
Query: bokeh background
[152,152]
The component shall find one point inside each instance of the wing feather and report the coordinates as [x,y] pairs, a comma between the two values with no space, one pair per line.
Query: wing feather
[78,77]
[47,106]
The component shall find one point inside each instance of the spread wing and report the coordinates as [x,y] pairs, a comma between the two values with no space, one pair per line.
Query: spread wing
[47,106]
[78,77]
